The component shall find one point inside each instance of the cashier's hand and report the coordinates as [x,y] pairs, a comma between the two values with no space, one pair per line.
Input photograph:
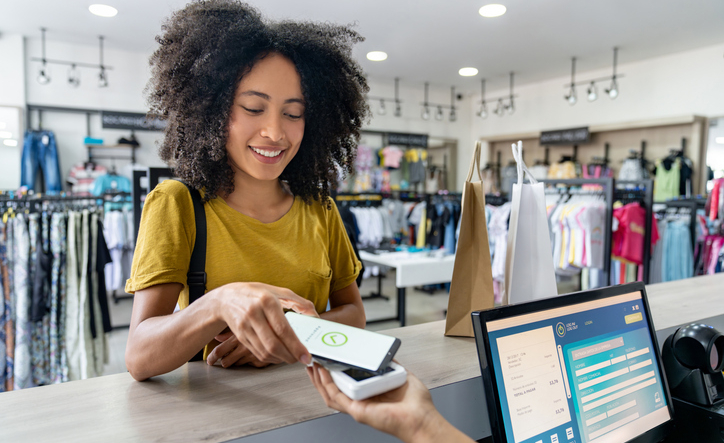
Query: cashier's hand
[259,332]
[406,412]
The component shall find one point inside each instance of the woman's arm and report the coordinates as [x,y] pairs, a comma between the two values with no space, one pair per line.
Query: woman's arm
[346,307]
[160,341]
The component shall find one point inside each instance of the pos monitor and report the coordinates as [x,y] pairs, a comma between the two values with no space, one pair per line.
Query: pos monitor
[578,368]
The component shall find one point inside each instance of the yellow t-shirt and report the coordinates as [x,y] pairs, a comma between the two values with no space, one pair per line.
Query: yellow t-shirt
[307,250]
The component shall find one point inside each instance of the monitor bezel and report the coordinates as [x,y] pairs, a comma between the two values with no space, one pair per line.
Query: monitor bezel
[492,397]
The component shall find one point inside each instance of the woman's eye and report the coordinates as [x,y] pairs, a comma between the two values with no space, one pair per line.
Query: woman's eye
[252,111]
[294,117]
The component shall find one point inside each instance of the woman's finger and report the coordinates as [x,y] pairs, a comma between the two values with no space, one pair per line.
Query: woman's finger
[222,349]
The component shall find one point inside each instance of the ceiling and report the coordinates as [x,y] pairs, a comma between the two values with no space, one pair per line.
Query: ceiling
[428,40]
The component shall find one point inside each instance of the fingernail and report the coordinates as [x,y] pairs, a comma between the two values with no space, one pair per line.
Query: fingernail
[306,359]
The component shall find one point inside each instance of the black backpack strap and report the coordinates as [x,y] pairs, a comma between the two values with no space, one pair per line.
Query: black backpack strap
[196,277]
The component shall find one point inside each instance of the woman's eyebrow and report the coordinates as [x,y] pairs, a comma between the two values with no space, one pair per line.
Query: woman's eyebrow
[268,98]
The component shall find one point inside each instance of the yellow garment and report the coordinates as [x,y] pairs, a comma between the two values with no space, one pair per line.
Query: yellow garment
[307,250]
[565,170]
[415,155]
[423,229]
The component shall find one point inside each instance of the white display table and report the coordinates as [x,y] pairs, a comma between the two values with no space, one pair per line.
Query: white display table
[411,269]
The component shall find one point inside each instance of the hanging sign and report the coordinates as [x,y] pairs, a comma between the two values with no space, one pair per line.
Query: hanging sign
[575,136]
[420,140]
[131,120]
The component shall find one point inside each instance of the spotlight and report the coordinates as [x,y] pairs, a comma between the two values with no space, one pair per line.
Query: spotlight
[592,92]
[398,110]
[453,115]
[511,107]
[73,76]
[571,97]
[382,110]
[483,113]
[102,79]
[500,108]
[612,91]
[438,114]
[44,75]
[426,113]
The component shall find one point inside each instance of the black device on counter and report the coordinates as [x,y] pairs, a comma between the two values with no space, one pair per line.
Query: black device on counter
[577,368]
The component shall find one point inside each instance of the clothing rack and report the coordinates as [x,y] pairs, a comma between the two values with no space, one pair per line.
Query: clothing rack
[692,204]
[608,191]
[646,198]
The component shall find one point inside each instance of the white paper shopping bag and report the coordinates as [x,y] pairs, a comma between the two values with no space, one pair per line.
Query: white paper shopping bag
[529,271]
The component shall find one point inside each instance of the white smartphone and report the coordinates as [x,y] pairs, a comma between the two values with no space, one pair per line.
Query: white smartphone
[337,343]
[359,385]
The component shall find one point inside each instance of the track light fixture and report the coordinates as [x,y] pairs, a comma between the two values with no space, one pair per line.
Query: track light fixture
[426,105]
[592,91]
[73,76]
[612,91]
[382,109]
[43,73]
[73,72]
[483,112]
[438,107]
[511,104]
[453,115]
[500,108]
[571,96]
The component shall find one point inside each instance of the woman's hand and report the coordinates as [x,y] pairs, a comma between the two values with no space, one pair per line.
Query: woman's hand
[254,313]
[406,412]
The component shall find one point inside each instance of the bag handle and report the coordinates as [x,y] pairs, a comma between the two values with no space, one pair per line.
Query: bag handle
[518,156]
[475,162]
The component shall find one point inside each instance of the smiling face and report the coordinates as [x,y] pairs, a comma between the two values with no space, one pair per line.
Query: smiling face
[266,125]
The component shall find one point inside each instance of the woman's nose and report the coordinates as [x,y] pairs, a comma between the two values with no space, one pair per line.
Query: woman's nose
[272,129]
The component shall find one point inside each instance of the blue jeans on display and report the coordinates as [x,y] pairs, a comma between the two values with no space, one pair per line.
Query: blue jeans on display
[40,152]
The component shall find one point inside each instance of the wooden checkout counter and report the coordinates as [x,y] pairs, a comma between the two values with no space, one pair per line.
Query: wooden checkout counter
[201,403]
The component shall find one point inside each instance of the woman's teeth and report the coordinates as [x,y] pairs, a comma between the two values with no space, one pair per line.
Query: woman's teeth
[266,153]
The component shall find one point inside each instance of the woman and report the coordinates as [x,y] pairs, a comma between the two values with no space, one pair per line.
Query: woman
[260,117]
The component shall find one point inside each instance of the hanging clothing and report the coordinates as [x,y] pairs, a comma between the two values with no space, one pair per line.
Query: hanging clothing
[82,176]
[40,154]
[667,181]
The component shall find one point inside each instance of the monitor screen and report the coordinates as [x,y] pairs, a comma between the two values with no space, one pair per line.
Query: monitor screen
[579,368]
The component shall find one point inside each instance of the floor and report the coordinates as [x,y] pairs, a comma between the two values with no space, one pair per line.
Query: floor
[422,307]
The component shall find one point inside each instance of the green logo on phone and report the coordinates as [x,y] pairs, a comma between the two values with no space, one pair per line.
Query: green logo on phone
[334,339]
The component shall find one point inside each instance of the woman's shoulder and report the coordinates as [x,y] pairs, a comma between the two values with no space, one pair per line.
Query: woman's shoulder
[171,192]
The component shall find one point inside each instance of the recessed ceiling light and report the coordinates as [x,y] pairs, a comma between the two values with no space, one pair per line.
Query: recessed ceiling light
[103,10]
[8,142]
[720,140]
[492,10]
[468,72]
[376,56]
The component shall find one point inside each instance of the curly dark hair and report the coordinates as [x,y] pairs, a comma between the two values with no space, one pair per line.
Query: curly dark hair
[207,47]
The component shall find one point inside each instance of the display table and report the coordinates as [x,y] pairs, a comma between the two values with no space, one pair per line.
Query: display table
[198,402]
[411,269]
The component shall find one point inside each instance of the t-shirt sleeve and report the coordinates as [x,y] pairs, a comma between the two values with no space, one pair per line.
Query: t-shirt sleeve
[345,265]
[165,238]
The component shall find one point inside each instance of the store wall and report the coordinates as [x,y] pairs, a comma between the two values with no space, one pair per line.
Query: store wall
[687,83]
[412,95]
[12,93]
[126,82]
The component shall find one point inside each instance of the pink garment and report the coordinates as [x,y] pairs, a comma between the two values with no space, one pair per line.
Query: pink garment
[715,196]
[628,239]
[714,255]
[392,154]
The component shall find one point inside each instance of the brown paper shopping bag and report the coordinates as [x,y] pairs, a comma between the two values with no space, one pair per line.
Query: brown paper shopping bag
[471,288]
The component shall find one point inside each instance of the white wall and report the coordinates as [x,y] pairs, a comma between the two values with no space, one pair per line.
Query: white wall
[12,93]
[687,83]
[126,82]
[412,95]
